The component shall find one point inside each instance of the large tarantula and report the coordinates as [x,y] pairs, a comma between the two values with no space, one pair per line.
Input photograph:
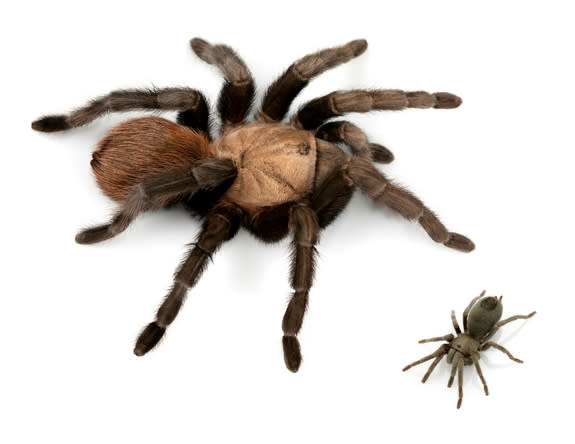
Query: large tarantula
[481,320]
[266,175]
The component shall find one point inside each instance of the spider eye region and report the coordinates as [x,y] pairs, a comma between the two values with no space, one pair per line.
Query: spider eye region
[303,149]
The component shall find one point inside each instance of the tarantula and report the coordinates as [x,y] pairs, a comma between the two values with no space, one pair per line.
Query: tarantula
[480,323]
[267,175]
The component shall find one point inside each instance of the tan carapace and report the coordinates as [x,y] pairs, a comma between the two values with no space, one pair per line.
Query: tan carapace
[275,164]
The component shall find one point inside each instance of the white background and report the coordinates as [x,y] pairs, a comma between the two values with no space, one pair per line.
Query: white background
[498,169]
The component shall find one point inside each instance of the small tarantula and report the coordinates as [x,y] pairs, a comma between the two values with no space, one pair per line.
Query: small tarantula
[266,175]
[480,323]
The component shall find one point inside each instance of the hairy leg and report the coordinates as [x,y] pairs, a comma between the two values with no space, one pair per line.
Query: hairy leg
[337,103]
[168,99]
[220,225]
[305,229]
[238,92]
[157,191]
[500,324]
[442,350]
[460,382]
[281,93]
[433,365]
[448,337]
[456,359]
[475,359]
[455,323]
[502,349]
[372,182]
[355,138]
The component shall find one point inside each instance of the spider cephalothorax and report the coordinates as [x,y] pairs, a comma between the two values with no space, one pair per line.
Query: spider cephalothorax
[266,175]
[481,320]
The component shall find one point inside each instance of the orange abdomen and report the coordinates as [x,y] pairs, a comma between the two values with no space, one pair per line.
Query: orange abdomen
[144,146]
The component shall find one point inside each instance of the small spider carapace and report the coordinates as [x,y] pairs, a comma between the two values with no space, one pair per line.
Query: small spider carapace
[480,323]
[262,173]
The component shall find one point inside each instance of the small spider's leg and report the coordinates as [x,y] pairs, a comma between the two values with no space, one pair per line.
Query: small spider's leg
[468,308]
[505,321]
[220,225]
[237,94]
[372,182]
[460,381]
[338,103]
[439,352]
[448,337]
[281,93]
[347,132]
[454,364]
[434,364]
[501,348]
[455,323]
[168,99]
[475,358]
[158,190]
[305,228]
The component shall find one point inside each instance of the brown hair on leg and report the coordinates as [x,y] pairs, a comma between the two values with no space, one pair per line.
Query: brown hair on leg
[305,228]
[355,138]
[314,113]
[168,99]
[237,94]
[219,226]
[372,182]
[281,93]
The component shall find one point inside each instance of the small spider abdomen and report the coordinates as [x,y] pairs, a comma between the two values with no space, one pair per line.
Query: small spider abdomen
[275,163]
[483,316]
[143,146]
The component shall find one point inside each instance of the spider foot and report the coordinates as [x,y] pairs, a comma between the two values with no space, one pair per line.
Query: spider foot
[51,124]
[381,154]
[149,338]
[94,235]
[444,100]
[292,353]
[459,242]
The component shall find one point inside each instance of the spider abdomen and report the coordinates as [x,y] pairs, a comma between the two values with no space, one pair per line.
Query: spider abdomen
[144,146]
[276,164]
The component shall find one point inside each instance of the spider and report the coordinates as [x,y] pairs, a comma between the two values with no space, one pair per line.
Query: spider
[261,172]
[481,320]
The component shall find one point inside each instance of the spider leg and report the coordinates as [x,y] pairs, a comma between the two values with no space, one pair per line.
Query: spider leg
[475,359]
[448,337]
[506,321]
[220,225]
[455,323]
[158,190]
[468,308]
[337,103]
[168,99]
[460,382]
[347,132]
[454,365]
[442,350]
[372,182]
[237,94]
[281,93]
[502,349]
[305,228]
[434,364]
